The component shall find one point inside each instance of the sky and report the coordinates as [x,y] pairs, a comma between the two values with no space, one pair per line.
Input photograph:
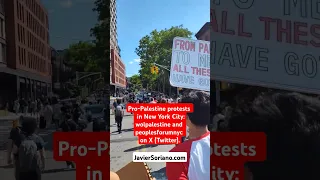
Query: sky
[137,18]
[71,20]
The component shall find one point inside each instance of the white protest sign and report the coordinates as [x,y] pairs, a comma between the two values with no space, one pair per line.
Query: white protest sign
[270,43]
[190,64]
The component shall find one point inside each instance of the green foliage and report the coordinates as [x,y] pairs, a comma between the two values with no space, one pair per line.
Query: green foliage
[80,57]
[101,32]
[69,90]
[94,56]
[157,48]
[135,83]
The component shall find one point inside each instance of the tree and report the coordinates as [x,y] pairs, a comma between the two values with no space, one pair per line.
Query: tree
[157,48]
[80,57]
[69,90]
[101,32]
[135,82]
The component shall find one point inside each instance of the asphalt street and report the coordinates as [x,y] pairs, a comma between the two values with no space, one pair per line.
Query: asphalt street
[123,145]
[54,170]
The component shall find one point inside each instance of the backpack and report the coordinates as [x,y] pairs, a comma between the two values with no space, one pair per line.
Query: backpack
[28,155]
[118,111]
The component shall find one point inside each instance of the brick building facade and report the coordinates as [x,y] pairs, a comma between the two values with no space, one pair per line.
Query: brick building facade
[117,67]
[118,70]
[28,53]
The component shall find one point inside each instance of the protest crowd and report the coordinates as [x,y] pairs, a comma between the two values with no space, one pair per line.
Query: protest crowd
[288,119]
[26,148]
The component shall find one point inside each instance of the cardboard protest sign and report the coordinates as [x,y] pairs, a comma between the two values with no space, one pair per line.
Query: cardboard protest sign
[190,64]
[135,170]
[266,43]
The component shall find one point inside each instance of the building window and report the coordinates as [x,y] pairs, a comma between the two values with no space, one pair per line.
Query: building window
[2,6]
[2,28]
[22,13]
[24,57]
[3,53]
[18,10]
[19,55]
[24,35]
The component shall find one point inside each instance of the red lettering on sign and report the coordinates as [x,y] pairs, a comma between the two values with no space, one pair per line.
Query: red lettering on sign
[184,45]
[204,48]
[286,31]
[292,32]
[200,71]
[224,24]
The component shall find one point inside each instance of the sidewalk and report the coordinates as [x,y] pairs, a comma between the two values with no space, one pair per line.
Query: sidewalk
[12,116]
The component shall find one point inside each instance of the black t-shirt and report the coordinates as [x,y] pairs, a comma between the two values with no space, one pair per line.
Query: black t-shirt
[17,136]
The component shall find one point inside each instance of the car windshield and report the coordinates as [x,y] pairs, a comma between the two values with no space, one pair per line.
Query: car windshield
[94,109]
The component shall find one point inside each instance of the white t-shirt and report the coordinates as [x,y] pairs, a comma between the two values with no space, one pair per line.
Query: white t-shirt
[47,113]
[197,166]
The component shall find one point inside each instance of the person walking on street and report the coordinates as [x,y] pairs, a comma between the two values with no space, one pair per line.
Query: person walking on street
[27,149]
[68,125]
[119,113]
[47,114]
[16,106]
[32,107]
[115,104]
[23,105]
[76,113]
[56,107]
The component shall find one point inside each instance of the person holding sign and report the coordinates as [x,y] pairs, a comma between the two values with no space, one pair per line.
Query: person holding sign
[198,146]
[114,176]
